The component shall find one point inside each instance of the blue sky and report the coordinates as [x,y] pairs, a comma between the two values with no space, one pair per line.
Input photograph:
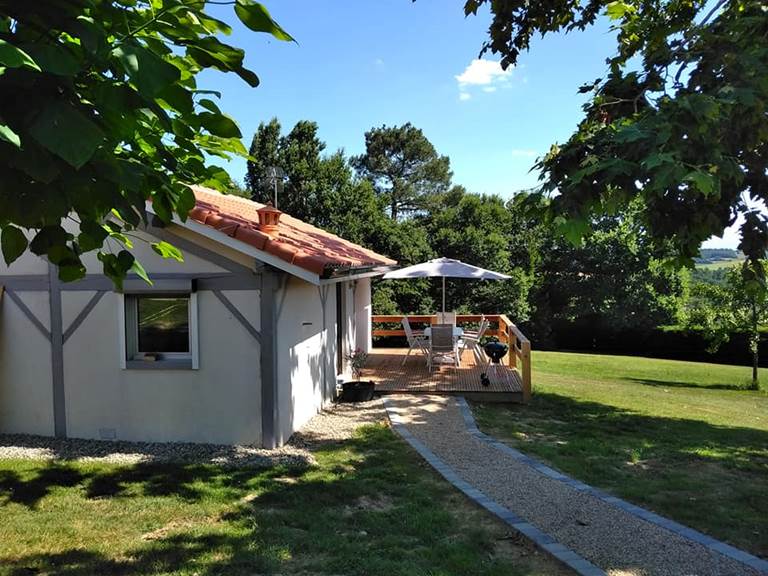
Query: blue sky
[357,65]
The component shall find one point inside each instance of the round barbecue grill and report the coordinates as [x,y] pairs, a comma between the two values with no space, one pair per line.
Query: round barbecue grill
[495,351]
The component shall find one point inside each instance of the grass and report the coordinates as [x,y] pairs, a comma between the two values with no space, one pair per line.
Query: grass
[369,506]
[718,264]
[680,438]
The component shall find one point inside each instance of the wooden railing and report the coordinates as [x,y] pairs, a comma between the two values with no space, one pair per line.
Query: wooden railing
[518,357]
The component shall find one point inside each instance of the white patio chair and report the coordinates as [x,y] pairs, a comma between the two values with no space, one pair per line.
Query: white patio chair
[446,318]
[415,341]
[442,344]
[471,340]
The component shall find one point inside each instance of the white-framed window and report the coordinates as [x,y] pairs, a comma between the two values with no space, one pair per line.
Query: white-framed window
[159,331]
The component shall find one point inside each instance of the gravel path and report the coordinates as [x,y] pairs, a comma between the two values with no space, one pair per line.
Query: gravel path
[332,425]
[611,538]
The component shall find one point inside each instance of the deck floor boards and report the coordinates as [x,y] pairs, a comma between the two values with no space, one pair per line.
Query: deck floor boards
[384,367]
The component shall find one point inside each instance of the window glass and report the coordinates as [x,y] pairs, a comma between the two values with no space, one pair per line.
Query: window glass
[163,324]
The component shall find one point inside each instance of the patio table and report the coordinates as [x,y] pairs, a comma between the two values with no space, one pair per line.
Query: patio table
[457,332]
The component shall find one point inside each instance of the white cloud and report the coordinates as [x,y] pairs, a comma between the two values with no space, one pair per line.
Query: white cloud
[486,74]
[379,62]
[523,152]
[481,72]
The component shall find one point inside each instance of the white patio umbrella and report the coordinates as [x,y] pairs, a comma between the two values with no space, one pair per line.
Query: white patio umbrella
[445,268]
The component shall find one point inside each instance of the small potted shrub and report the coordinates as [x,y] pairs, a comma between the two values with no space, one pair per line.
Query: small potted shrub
[357,391]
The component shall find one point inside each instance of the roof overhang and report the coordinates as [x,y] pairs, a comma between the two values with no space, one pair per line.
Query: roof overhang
[243,248]
[355,274]
[338,275]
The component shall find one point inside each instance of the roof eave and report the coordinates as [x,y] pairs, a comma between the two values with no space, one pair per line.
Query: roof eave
[244,248]
[339,274]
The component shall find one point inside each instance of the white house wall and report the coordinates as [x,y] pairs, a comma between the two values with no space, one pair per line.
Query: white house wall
[362,311]
[306,353]
[26,396]
[220,402]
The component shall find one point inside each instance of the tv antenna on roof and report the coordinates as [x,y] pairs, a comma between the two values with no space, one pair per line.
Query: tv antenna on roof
[275,176]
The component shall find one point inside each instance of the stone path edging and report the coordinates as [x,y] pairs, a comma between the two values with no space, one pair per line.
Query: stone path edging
[544,541]
[684,531]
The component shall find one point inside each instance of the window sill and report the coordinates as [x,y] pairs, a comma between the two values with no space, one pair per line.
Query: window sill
[171,364]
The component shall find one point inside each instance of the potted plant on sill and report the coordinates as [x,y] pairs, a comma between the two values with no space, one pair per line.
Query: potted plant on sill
[357,391]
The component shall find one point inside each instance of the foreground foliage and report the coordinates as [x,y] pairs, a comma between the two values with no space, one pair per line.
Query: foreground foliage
[368,507]
[677,437]
[100,111]
[679,119]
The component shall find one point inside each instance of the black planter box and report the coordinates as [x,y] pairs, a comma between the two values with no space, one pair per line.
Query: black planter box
[357,391]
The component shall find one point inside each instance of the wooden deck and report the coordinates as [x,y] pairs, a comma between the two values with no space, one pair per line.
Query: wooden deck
[513,380]
[384,367]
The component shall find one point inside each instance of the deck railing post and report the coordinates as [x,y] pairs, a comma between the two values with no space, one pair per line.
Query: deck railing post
[526,361]
[513,350]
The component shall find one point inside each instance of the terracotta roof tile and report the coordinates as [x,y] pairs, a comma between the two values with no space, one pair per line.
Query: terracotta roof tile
[298,243]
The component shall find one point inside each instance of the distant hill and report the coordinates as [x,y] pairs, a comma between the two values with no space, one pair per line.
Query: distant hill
[718,257]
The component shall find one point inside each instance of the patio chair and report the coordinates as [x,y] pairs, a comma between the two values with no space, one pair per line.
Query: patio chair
[471,340]
[415,341]
[446,318]
[442,345]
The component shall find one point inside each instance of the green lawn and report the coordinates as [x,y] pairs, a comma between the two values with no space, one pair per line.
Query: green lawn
[370,506]
[676,437]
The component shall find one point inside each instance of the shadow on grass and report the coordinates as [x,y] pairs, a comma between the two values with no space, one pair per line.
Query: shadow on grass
[13,488]
[678,384]
[364,509]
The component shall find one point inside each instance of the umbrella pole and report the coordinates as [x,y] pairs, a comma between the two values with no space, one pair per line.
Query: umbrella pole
[443,294]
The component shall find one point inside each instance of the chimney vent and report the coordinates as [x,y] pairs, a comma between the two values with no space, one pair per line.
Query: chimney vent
[269,219]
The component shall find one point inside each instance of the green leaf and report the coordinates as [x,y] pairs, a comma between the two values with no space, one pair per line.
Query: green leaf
[66,132]
[56,59]
[92,235]
[630,133]
[125,261]
[138,269]
[219,125]
[617,10]
[150,73]
[46,238]
[574,229]
[705,183]
[13,57]
[9,136]
[257,18]
[657,159]
[185,202]
[250,77]
[167,250]
[209,105]
[13,243]
[71,272]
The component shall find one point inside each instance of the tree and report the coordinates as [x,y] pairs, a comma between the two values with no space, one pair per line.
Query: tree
[480,230]
[100,112]
[304,172]
[616,280]
[263,155]
[679,119]
[721,310]
[403,166]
